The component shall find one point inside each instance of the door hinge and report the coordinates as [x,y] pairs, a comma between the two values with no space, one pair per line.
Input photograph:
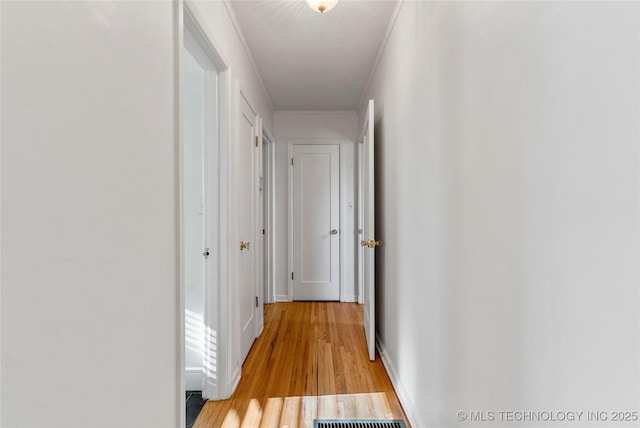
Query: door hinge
[292,276]
[291,161]
[256,301]
[263,231]
[256,141]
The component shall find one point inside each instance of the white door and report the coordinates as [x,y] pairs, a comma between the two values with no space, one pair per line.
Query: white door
[245,181]
[368,241]
[316,220]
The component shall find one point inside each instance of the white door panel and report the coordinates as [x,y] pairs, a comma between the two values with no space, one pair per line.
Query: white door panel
[246,290]
[369,242]
[316,219]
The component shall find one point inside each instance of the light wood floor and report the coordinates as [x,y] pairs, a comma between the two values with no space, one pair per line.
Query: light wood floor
[310,362]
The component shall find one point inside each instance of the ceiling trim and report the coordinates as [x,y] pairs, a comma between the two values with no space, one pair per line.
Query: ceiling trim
[245,46]
[383,47]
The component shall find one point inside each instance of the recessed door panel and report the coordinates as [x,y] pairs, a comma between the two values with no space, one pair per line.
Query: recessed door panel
[316,218]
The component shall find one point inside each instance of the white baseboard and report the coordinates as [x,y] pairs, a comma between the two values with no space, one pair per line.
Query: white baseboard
[343,298]
[210,391]
[234,381]
[407,403]
[349,298]
[193,379]
[260,329]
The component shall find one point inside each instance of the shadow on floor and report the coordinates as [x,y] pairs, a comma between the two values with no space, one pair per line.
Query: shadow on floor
[195,403]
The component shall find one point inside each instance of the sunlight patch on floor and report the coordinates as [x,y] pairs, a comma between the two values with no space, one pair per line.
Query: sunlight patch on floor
[299,412]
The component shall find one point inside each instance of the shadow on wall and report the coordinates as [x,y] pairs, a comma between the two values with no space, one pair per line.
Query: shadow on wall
[381,203]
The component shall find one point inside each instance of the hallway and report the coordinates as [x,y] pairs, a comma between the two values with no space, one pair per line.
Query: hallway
[310,361]
[507,201]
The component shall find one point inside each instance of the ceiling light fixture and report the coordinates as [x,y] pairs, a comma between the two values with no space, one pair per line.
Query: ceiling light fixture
[321,5]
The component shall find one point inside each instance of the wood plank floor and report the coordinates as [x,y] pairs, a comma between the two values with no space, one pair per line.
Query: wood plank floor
[310,362]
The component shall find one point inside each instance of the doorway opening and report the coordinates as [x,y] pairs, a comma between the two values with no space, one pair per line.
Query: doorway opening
[202,177]
[199,81]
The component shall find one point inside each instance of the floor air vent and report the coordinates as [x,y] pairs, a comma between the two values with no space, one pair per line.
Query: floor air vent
[357,423]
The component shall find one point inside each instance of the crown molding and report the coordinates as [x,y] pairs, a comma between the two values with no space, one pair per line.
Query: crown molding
[383,47]
[247,51]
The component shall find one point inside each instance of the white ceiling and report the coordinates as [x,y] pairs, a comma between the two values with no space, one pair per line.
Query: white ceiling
[313,61]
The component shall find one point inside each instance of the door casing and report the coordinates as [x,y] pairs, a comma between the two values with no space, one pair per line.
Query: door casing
[269,216]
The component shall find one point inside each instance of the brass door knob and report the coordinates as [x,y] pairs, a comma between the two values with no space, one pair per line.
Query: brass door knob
[370,243]
[334,232]
[244,245]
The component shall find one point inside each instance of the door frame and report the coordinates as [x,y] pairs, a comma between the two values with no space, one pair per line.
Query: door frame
[258,223]
[208,177]
[269,184]
[216,293]
[314,141]
[359,267]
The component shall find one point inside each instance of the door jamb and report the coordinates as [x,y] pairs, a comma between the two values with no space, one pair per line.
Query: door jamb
[258,226]
[360,219]
[270,217]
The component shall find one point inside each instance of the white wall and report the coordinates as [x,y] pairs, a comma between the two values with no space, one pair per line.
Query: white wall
[507,203]
[89,254]
[316,125]
[89,309]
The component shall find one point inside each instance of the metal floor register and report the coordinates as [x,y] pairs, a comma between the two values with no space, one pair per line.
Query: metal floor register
[358,423]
